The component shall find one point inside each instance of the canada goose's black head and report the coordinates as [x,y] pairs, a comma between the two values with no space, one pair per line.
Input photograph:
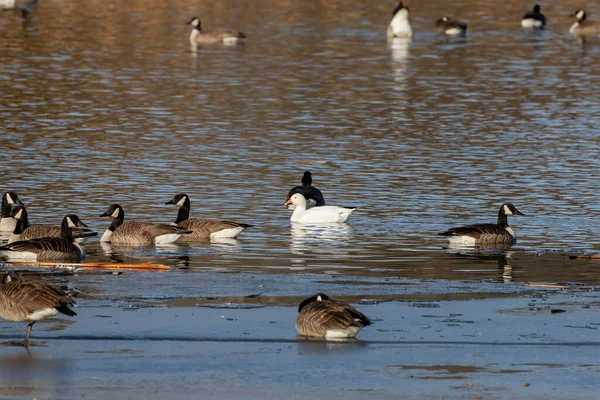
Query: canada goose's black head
[316,297]
[18,212]
[580,15]
[179,199]
[536,8]
[307,179]
[399,7]
[10,276]
[73,221]
[114,211]
[510,209]
[195,22]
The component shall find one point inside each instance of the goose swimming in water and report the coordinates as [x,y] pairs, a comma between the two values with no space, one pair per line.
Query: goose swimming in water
[198,36]
[486,234]
[136,233]
[203,228]
[400,23]
[320,316]
[52,249]
[323,214]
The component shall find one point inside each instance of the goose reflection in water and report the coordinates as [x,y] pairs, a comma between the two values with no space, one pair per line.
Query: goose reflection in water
[330,239]
[400,49]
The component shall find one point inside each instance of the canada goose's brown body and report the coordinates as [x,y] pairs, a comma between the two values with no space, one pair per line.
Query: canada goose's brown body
[51,249]
[136,233]
[25,231]
[203,228]
[320,316]
[486,234]
[26,300]
[198,36]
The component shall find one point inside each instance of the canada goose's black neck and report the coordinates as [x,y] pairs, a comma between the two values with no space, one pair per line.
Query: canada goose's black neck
[65,230]
[184,211]
[118,221]
[502,218]
[307,179]
[22,223]
[6,208]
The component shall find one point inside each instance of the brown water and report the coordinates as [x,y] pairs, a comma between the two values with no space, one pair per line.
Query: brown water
[105,102]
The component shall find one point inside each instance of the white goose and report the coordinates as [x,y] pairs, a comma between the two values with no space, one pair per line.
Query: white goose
[323,214]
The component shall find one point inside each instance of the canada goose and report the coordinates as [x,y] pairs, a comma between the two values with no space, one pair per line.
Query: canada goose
[56,249]
[7,223]
[313,196]
[26,300]
[583,26]
[136,233]
[486,234]
[203,228]
[25,231]
[448,26]
[534,19]
[198,36]
[323,214]
[400,24]
[320,316]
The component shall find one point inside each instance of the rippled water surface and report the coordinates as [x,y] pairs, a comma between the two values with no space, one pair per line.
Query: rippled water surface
[105,102]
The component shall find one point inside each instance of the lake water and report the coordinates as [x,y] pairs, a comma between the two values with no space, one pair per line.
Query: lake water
[105,102]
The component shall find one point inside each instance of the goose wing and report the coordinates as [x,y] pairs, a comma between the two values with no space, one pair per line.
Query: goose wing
[475,230]
[31,296]
[56,244]
[322,316]
[208,226]
[151,230]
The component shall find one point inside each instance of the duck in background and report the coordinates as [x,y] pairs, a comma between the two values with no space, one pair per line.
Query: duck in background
[534,19]
[450,27]
[198,36]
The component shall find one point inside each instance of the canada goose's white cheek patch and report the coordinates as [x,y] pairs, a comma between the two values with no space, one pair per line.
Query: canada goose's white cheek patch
[182,201]
[507,211]
[9,199]
[115,213]
[19,214]
[71,223]
[580,14]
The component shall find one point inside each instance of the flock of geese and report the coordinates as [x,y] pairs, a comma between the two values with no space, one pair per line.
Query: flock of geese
[318,316]
[400,27]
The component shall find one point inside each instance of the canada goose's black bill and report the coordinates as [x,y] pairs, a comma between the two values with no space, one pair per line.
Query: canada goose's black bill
[170,202]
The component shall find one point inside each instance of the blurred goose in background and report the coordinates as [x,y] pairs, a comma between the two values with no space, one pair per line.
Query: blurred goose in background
[203,228]
[25,231]
[27,300]
[584,27]
[7,223]
[534,19]
[313,196]
[53,249]
[485,234]
[400,24]
[198,36]
[137,233]
[25,6]
[450,27]
[320,316]
[323,214]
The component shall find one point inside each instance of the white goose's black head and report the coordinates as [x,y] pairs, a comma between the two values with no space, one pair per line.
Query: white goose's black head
[179,199]
[510,209]
[195,22]
[307,179]
[114,211]
[312,299]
